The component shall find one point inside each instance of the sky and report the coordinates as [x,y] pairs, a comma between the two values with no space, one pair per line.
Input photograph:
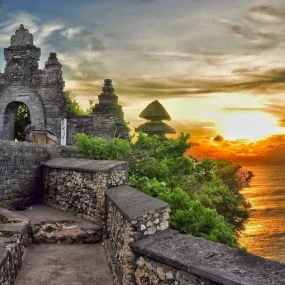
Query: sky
[218,67]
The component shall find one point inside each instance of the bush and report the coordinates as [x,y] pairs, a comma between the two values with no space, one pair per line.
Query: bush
[201,196]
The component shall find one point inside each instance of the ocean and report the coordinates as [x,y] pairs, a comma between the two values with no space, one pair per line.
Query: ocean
[264,232]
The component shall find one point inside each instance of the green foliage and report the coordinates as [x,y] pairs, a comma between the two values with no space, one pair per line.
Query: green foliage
[22,120]
[188,216]
[203,196]
[203,222]
[74,106]
[216,195]
[98,148]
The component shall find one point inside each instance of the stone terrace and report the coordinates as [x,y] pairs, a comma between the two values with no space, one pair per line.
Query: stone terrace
[89,202]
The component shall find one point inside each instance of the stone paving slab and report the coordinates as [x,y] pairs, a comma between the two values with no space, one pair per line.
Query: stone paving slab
[38,214]
[12,216]
[53,264]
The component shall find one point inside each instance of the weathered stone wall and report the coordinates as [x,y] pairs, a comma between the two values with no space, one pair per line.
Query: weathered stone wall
[79,124]
[78,186]
[14,238]
[132,215]
[20,169]
[169,257]
[149,271]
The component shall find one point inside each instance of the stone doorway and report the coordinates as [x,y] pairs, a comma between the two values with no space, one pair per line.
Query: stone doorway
[16,119]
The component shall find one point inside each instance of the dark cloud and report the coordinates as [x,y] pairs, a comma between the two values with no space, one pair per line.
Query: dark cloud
[277,111]
[267,82]
[259,27]
[218,138]
[266,10]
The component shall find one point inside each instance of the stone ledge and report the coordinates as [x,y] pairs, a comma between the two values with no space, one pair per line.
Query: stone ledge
[14,238]
[39,146]
[213,261]
[12,216]
[85,165]
[132,203]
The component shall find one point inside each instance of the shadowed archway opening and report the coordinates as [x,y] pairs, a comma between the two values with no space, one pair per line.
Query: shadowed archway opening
[16,119]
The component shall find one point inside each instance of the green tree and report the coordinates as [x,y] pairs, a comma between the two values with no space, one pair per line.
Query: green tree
[74,106]
[22,120]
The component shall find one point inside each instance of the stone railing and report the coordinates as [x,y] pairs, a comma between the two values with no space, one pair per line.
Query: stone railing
[169,257]
[131,216]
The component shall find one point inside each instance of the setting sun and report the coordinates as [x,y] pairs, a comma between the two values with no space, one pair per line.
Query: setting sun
[250,126]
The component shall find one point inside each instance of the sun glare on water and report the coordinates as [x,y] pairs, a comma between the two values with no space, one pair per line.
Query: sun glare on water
[253,126]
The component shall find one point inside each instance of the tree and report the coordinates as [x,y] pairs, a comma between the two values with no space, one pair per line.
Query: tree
[22,120]
[74,106]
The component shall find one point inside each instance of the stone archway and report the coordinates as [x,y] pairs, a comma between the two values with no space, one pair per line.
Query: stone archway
[9,104]
[10,116]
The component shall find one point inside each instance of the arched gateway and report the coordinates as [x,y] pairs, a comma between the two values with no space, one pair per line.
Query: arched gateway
[24,83]
[41,90]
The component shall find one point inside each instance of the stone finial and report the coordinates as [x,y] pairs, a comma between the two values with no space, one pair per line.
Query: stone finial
[22,37]
[52,61]
[108,87]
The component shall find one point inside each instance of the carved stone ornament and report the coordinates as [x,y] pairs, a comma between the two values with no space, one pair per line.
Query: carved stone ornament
[22,37]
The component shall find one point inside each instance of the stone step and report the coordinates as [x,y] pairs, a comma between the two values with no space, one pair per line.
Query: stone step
[53,226]
[65,264]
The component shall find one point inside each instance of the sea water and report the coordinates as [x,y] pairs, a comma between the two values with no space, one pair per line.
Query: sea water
[264,232]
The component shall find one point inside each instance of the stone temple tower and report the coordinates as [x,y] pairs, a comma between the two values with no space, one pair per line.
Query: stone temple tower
[24,83]
[108,114]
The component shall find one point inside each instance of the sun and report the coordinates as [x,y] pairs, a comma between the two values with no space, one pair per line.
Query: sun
[250,126]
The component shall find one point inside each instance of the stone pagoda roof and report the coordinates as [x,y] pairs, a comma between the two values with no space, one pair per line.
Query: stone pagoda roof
[155,111]
[155,127]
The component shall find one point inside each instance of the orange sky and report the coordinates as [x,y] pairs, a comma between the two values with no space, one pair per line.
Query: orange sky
[218,67]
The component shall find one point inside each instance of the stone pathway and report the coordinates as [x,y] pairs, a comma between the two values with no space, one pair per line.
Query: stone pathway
[66,253]
[74,264]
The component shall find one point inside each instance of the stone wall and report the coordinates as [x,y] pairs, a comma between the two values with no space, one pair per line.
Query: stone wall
[150,271]
[169,257]
[132,215]
[78,124]
[20,170]
[78,186]
[14,238]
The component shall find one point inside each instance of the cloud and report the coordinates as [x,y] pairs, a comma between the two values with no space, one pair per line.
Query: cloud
[235,109]
[218,138]
[270,150]
[70,33]
[266,14]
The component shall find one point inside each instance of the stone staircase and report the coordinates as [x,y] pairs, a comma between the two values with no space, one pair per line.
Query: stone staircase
[57,248]
[49,225]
